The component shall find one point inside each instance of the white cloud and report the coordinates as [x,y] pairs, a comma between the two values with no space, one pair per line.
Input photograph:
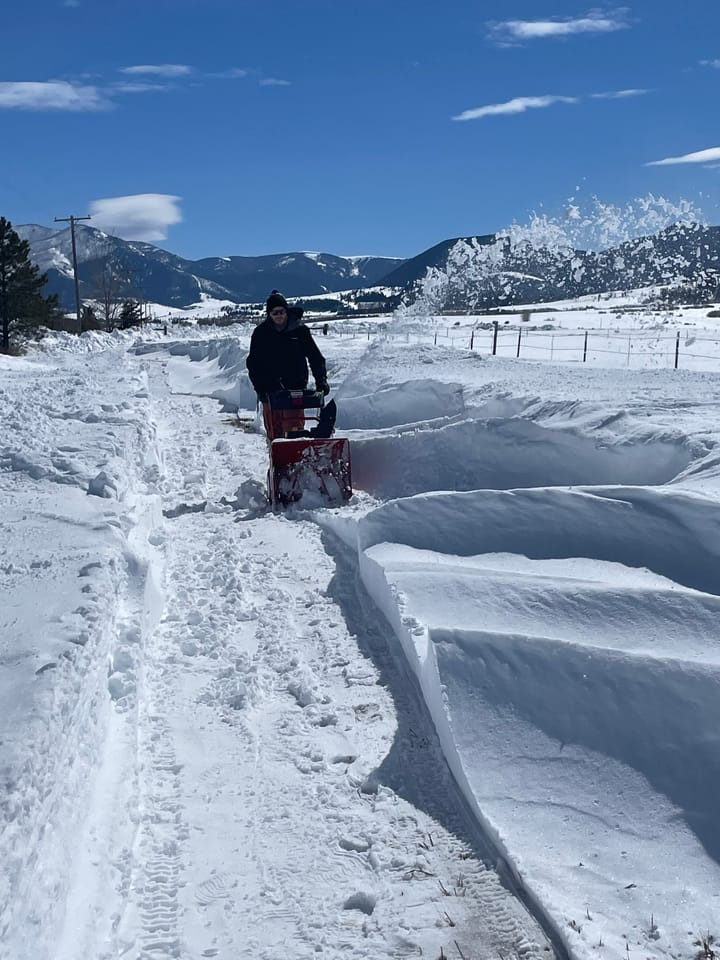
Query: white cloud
[140,87]
[50,95]
[619,94]
[518,105]
[521,104]
[159,70]
[519,30]
[234,73]
[273,82]
[140,216]
[710,63]
[702,156]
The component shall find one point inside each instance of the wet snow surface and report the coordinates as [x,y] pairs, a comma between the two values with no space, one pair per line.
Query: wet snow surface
[473,713]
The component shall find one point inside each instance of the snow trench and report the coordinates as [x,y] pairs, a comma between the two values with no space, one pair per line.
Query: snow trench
[503,454]
[399,403]
[220,369]
[567,639]
[674,534]
[653,714]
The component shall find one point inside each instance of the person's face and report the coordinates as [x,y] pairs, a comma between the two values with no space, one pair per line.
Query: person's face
[278,315]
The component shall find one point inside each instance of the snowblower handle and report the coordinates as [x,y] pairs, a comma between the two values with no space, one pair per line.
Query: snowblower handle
[296,399]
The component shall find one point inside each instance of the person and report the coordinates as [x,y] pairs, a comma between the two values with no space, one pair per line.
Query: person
[281,347]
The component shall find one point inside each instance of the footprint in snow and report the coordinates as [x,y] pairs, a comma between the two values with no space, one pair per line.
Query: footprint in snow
[217,887]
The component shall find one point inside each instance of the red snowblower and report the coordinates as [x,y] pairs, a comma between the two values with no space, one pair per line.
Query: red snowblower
[304,461]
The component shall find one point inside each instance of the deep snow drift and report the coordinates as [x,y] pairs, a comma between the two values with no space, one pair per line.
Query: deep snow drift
[232,733]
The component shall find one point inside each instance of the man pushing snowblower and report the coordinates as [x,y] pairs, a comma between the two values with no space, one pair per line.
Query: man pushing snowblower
[281,347]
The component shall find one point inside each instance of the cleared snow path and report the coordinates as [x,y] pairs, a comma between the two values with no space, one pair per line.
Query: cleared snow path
[292,799]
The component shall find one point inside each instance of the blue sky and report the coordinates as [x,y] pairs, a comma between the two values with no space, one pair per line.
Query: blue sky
[218,127]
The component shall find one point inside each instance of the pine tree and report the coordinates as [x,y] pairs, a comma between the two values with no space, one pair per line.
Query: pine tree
[22,306]
[130,315]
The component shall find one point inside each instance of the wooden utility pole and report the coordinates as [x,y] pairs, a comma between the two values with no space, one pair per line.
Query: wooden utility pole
[72,221]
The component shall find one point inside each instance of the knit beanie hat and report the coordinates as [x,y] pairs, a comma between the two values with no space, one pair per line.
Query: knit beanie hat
[276,299]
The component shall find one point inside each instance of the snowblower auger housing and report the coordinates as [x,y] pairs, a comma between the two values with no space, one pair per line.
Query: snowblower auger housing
[306,461]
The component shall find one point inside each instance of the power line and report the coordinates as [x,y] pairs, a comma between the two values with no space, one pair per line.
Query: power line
[72,221]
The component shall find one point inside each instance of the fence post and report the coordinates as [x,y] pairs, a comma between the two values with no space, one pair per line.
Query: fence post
[677,349]
[435,340]
[495,333]
[517,352]
[629,348]
[472,337]
[585,348]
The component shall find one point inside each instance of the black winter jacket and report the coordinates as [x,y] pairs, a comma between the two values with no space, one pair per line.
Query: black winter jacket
[278,360]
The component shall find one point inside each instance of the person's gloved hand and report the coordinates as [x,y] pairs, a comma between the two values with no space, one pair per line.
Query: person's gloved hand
[323,387]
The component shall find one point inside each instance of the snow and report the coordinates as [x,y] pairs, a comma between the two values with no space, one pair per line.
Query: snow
[474,712]
[207,306]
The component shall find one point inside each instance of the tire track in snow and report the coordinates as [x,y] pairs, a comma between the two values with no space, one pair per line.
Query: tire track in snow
[161,833]
[150,925]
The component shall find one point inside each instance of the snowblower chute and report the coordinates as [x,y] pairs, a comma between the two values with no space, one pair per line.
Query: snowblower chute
[306,461]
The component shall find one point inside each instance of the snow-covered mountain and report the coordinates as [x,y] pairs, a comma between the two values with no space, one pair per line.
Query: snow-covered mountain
[680,253]
[143,270]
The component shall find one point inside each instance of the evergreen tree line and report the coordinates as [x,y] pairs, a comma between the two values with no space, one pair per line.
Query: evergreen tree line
[23,308]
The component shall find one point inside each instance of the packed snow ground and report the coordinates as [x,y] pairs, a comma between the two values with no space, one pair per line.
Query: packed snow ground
[472,713]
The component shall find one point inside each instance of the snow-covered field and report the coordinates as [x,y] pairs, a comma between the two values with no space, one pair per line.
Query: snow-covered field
[473,713]
[614,330]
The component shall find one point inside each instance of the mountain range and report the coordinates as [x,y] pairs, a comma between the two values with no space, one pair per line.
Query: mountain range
[108,265]
[141,270]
